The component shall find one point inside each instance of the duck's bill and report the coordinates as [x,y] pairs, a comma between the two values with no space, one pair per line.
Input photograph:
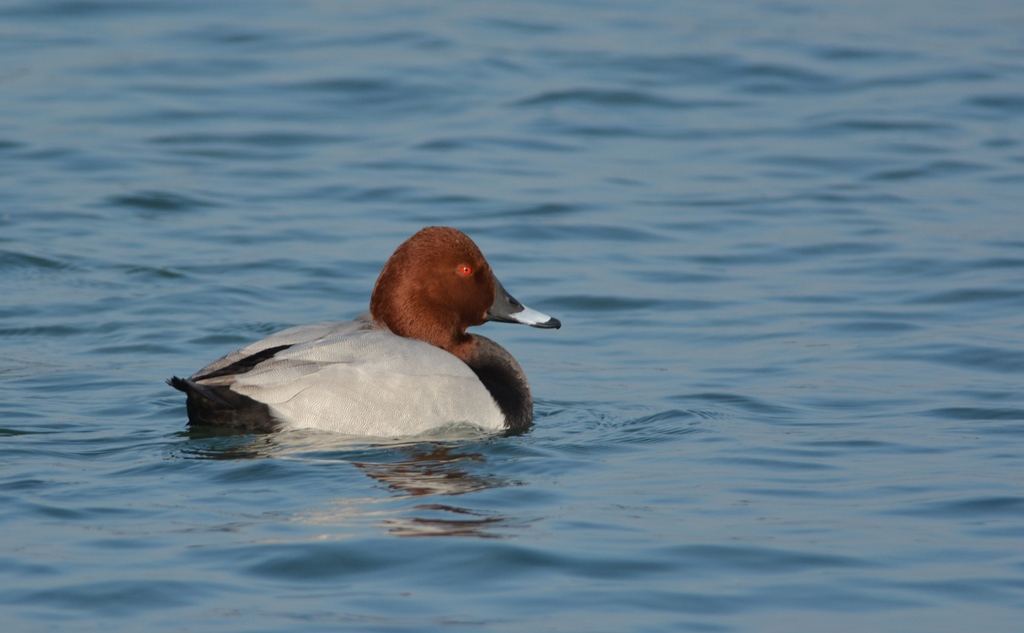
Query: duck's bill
[506,309]
[531,317]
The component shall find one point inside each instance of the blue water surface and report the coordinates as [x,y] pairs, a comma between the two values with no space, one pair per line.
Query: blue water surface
[785,239]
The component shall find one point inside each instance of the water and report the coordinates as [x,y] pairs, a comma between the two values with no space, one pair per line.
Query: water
[784,239]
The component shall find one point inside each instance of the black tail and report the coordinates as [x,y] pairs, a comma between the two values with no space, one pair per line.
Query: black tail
[178,383]
[220,406]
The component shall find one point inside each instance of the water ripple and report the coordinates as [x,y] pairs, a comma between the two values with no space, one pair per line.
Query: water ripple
[11,260]
[609,98]
[161,201]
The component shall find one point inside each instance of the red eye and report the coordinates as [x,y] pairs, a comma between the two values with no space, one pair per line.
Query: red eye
[465,270]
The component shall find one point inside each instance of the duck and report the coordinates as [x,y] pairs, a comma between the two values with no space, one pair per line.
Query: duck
[407,367]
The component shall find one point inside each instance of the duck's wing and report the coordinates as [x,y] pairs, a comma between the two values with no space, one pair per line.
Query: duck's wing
[213,402]
[248,357]
[369,382]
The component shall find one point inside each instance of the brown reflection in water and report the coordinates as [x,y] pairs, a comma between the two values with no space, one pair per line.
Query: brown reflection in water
[437,470]
[431,471]
[469,523]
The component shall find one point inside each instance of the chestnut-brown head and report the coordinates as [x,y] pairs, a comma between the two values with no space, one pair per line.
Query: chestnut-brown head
[434,286]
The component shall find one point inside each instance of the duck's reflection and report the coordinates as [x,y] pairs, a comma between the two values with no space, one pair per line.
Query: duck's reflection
[428,470]
[446,520]
[438,470]
[407,470]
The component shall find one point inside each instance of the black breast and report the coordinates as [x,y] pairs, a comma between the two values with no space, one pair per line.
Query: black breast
[506,382]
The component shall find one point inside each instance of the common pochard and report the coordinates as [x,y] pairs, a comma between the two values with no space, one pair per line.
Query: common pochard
[405,368]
